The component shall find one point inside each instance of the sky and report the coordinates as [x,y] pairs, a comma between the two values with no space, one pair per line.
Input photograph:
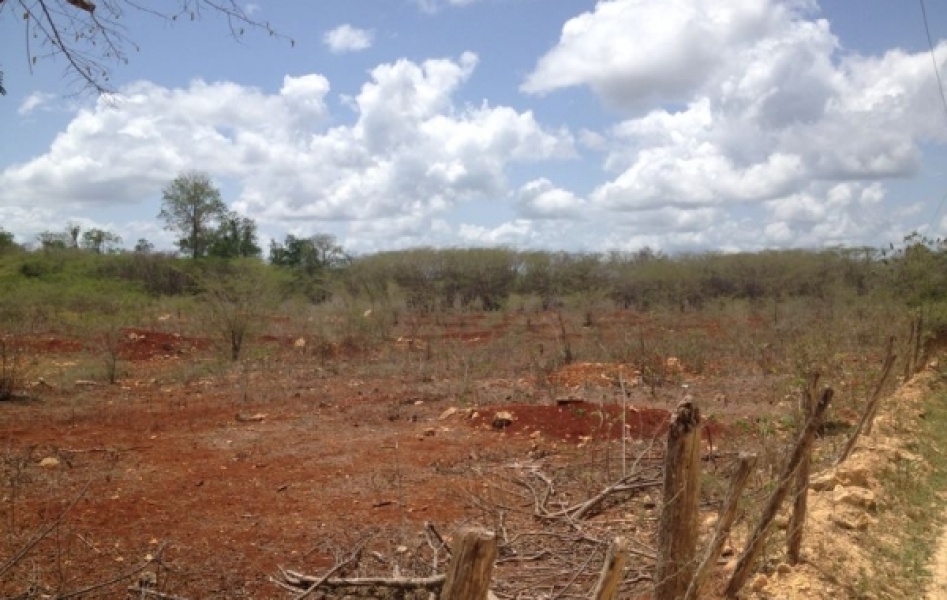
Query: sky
[681,125]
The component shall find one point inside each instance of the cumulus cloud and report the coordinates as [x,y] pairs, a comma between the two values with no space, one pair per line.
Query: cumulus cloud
[737,106]
[630,51]
[410,154]
[346,38]
[540,199]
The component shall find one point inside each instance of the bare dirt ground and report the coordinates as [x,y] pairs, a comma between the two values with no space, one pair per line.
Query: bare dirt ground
[230,471]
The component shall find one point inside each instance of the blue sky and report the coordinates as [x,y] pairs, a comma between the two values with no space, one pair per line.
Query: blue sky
[683,125]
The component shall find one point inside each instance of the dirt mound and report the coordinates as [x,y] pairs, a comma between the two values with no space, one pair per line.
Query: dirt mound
[145,344]
[47,344]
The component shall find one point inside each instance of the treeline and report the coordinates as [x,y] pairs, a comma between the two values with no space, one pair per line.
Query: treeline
[428,279]
[214,242]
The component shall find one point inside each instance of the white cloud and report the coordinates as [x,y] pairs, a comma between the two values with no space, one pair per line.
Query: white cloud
[737,106]
[432,6]
[631,51]
[411,153]
[346,38]
[34,101]
[540,199]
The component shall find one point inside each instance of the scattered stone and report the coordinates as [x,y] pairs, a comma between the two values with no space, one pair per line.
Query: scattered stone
[502,419]
[855,496]
[147,579]
[759,582]
[450,412]
[257,418]
[908,457]
[824,482]
[300,343]
[783,569]
[49,462]
[429,432]
[853,475]
[852,520]
[781,521]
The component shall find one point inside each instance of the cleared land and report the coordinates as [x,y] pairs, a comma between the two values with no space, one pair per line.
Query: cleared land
[314,442]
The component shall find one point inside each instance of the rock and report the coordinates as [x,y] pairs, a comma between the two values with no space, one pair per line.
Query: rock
[300,343]
[502,419]
[430,431]
[759,582]
[781,521]
[853,475]
[852,520]
[823,482]
[906,456]
[783,569]
[855,496]
[147,579]
[450,412]
[49,462]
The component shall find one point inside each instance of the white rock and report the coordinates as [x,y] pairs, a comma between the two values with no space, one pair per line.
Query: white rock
[855,496]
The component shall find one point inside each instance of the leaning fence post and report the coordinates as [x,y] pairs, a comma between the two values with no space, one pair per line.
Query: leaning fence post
[677,535]
[471,565]
[759,535]
[800,504]
[728,515]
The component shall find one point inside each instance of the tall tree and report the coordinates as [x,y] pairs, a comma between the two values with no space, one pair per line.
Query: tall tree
[235,238]
[7,241]
[100,241]
[192,207]
[310,255]
[144,246]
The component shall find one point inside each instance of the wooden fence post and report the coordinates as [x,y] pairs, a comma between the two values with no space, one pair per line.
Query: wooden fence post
[612,571]
[677,533]
[728,515]
[471,566]
[742,571]
[800,504]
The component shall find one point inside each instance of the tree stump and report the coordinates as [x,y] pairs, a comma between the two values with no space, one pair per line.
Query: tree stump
[677,535]
[468,574]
